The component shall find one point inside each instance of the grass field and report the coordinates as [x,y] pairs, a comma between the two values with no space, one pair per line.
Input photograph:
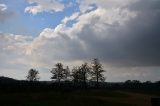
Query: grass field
[76,98]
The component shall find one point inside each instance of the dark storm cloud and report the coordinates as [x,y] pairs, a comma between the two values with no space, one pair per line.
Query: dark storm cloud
[140,39]
[135,44]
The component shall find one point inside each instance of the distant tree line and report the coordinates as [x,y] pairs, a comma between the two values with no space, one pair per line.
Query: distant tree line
[84,76]
[79,74]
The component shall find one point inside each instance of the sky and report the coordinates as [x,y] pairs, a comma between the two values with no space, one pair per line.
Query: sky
[123,34]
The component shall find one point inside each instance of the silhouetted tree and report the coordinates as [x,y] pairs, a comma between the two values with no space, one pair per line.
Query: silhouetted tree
[76,74]
[84,71]
[80,74]
[59,73]
[33,75]
[132,84]
[158,84]
[128,82]
[136,82]
[148,82]
[97,72]
[66,73]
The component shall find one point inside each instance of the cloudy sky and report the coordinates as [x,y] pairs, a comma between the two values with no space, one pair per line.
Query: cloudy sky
[123,34]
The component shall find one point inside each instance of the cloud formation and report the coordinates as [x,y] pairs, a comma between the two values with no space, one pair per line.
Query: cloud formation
[121,34]
[4,13]
[38,6]
[125,36]
[3,7]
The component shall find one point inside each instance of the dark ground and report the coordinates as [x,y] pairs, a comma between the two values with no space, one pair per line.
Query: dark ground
[78,98]
[42,93]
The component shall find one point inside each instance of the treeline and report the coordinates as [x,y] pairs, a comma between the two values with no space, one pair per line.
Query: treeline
[7,84]
[78,75]
[85,76]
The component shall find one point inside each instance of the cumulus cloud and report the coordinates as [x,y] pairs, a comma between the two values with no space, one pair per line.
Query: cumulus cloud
[12,58]
[121,34]
[13,46]
[129,33]
[3,7]
[4,13]
[86,5]
[71,18]
[44,5]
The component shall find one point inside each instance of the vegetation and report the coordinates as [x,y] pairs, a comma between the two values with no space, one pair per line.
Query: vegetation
[56,98]
[33,75]
[88,76]
[83,85]
[79,74]
[97,72]
[59,73]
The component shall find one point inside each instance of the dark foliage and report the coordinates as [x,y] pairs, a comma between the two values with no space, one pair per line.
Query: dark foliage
[32,75]
[59,73]
[81,77]
[97,72]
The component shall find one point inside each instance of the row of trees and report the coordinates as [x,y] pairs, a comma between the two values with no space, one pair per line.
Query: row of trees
[82,74]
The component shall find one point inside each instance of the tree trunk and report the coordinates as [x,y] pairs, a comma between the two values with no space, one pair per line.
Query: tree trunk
[97,83]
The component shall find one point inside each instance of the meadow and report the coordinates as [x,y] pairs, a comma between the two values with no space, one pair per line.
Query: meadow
[77,98]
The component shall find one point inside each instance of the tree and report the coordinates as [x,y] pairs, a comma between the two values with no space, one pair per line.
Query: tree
[66,73]
[80,74]
[76,74]
[33,75]
[59,73]
[84,71]
[97,72]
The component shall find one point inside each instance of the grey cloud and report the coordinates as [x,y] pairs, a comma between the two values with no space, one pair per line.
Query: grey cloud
[134,44]
[145,5]
[134,73]
[38,6]
[117,37]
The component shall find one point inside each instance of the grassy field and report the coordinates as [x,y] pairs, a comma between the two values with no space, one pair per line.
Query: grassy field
[76,98]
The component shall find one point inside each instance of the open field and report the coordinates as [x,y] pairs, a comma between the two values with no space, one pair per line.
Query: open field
[76,98]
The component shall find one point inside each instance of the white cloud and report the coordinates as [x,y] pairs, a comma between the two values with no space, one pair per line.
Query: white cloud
[67,43]
[113,32]
[85,5]
[3,7]
[44,6]
[4,13]
[75,43]
[72,17]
